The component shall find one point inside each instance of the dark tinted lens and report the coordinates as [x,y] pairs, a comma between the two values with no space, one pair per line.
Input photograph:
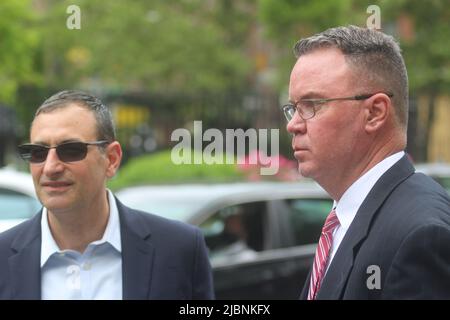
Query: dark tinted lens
[72,151]
[24,152]
[38,154]
[33,153]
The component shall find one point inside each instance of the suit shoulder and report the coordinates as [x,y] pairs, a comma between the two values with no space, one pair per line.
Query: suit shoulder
[421,187]
[7,237]
[423,201]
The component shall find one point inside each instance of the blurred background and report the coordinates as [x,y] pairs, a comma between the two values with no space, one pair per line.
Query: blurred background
[161,64]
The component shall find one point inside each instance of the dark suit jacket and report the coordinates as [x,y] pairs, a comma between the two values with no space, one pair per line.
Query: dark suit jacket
[161,259]
[402,227]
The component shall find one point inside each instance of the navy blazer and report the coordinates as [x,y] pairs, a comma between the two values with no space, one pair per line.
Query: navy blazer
[400,234]
[161,259]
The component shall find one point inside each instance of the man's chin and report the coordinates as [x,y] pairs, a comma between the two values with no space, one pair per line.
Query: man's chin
[305,170]
[56,204]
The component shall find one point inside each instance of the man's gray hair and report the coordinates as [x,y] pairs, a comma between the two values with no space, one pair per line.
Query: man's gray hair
[375,57]
[103,117]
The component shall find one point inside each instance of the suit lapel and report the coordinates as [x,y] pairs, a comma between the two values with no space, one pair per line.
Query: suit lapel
[24,265]
[304,294]
[334,283]
[137,255]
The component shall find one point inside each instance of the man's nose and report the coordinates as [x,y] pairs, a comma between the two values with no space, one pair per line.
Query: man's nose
[296,124]
[52,164]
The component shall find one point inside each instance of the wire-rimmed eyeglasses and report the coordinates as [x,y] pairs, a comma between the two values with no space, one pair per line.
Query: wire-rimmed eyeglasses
[306,108]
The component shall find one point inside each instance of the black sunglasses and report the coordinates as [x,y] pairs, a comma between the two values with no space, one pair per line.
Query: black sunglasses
[67,152]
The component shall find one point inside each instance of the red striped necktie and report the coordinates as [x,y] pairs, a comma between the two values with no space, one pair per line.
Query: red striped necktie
[322,254]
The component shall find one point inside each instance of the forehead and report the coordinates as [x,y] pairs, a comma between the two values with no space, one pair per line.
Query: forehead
[68,123]
[322,71]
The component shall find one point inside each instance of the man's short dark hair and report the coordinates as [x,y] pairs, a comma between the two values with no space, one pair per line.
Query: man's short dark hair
[375,57]
[103,117]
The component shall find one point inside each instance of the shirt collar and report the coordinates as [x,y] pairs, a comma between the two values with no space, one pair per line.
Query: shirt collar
[353,197]
[111,234]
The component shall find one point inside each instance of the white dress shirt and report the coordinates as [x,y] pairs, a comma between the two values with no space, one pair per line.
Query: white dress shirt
[354,196]
[94,274]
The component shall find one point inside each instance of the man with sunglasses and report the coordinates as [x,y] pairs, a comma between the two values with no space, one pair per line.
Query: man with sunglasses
[388,233]
[85,244]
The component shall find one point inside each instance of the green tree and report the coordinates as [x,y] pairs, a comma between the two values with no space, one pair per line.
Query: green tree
[423,29]
[154,46]
[287,21]
[18,44]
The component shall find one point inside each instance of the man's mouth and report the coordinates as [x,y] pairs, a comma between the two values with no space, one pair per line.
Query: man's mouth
[56,185]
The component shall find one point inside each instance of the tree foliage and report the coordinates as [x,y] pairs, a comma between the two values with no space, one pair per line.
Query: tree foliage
[423,29]
[155,46]
[18,43]
[287,21]
[425,45]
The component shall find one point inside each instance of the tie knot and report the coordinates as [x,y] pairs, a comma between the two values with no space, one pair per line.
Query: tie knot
[331,222]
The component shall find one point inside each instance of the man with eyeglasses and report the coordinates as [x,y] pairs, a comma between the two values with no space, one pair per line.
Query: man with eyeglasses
[388,233]
[85,244]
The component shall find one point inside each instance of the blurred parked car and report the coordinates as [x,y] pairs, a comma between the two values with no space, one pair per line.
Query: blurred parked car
[438,171]
[261,236]
[18,200]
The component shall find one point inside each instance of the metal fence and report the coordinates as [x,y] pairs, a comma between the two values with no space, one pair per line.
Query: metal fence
[145,122]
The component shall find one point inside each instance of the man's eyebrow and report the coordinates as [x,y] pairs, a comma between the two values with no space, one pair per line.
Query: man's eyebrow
[43,143]
[313,95]
[69,140]
[309,95]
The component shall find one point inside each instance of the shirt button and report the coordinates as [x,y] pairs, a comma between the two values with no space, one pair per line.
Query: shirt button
[87,266]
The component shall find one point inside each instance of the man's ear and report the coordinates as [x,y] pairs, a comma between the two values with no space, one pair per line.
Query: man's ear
[378,110]
[114,156]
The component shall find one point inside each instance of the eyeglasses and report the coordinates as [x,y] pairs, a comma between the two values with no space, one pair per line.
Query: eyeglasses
[67,152]
[306,108]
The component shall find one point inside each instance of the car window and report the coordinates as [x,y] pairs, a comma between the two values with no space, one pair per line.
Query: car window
[235,230]
[168,204]
[16,205]
[307,217]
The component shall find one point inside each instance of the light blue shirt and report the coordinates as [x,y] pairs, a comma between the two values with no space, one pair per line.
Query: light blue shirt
[96,274]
